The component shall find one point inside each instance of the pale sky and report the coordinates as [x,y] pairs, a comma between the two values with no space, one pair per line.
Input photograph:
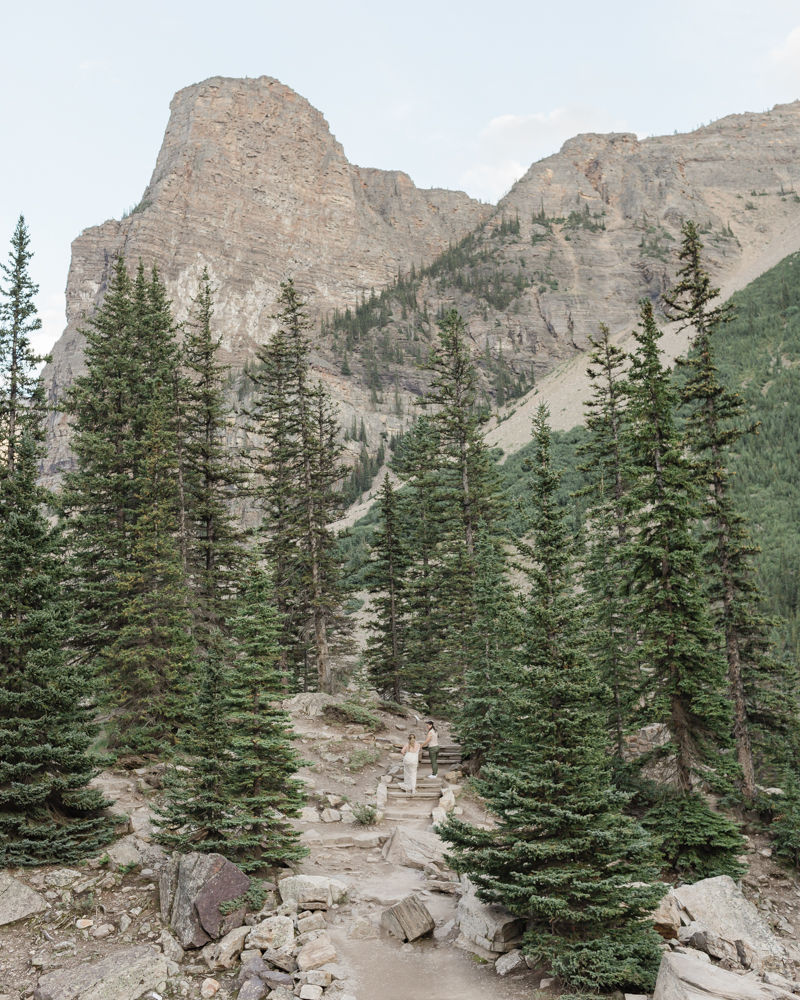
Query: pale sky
[458,94]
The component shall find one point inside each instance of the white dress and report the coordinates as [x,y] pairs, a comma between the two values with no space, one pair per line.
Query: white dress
[410,763]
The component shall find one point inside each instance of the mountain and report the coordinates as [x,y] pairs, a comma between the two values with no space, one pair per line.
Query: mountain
[251,183]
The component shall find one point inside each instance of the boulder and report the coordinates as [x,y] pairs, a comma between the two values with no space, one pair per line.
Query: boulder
[683,977]
[330,816]
[61,878]
[438,815]
[282,959]
[313,922]
[667,918]
[122,975]
[253,989]
[723,909]
[222,954]
[447,801]
[18,901]
[316,977]
[316,953]
[275,933]
[367,841]
[284,993]
[413,848]
[308,814]
[363,930]
[308,889]
[408,920]
[192,887]
[171,948]
[310,993]
[125,852]
[510,962]
[488,925]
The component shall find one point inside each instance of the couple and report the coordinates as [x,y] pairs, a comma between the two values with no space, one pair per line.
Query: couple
[411,753]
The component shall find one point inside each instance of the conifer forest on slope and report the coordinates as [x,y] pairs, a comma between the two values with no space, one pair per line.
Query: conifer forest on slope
[640,570]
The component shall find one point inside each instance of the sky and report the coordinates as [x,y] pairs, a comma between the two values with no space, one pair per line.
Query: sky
[458,94]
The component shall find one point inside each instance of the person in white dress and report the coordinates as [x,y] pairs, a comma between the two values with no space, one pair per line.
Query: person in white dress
[410,754]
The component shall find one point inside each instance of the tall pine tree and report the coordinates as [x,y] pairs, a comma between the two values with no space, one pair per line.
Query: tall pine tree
[563,857]
[47,812]
[607,531]
[385,652]
[762,690]
[122,524]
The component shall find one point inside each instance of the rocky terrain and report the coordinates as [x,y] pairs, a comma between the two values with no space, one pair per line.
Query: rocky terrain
[250,183]
[372,911]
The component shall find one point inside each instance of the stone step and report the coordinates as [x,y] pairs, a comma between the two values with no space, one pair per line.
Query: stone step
[395,815]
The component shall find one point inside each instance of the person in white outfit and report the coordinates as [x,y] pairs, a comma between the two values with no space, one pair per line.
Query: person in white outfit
[410,754]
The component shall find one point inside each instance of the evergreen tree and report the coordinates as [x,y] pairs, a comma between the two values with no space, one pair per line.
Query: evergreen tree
[484,722]
[682,675]
[467,492]
[607,532]
[47,813]
[120,508]
[562,856]
[240,792]
[762,691]
[297,472]
[417,464]
[213,477]
[385,653]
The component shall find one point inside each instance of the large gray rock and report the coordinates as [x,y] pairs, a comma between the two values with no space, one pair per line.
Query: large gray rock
[306,890]
[413,848]
[720,906]
[192,887]
[487,925]
[18,901]
[408,920]
[683,977]
[122,975]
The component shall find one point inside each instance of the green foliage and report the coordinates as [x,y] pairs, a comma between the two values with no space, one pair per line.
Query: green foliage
[785,825]
[361,757]
[348,711]
[365,815]
[361,475]
[120,512]
[695,842]
[681,673]
[253,898]
[394,707]
[562,856]
[48,815]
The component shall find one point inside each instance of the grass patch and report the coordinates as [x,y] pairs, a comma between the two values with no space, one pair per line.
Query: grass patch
[348,712]
[362,756]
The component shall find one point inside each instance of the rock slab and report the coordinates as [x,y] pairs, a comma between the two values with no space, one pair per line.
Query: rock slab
[488,925]
[122,975]
[682,977]
[192,887]
[305,890]
[720,906]
[18,901]
[408,920]
[413,848]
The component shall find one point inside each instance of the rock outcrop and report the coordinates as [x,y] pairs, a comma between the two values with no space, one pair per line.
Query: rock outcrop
[251,184]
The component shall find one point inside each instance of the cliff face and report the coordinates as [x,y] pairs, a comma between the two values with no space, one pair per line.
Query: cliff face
[250,183]
[599,223]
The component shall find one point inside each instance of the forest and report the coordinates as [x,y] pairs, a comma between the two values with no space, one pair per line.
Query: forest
[639,571]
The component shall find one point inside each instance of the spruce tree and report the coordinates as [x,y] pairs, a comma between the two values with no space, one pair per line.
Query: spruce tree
[120,508]
[563,857]
[297,472]
[385,652]
[212,477]
[682,675]
[47,813]
[607,532]
[762,690]
[467,492]
[239,792]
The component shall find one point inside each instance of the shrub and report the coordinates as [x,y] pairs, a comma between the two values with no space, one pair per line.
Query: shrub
[362,756]
[349,712]
[365,815]
[394,707]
